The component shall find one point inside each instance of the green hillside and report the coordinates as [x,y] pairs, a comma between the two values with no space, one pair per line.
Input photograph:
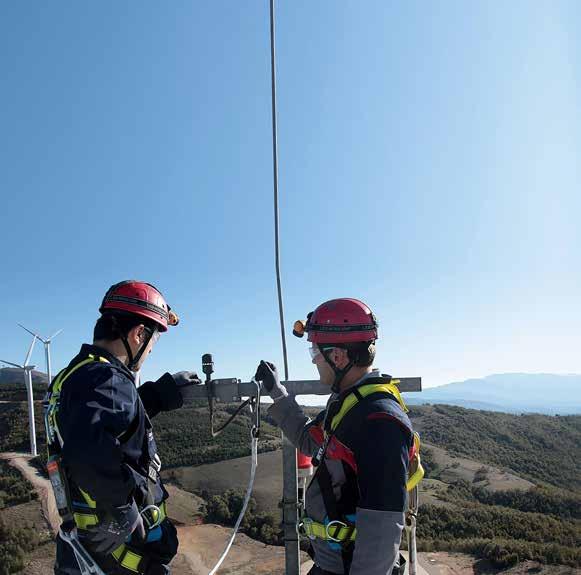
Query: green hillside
[183,436]
[506,526]
[544,449]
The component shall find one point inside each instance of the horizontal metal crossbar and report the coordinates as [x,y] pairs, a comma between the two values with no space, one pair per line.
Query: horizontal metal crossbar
[231,389]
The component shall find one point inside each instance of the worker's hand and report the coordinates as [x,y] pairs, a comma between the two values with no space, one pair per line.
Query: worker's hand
[115,527]
[268,375]
[185,381]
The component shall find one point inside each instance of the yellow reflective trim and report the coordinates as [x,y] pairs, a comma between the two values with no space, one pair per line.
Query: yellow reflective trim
[416,476]
[88,499]
[84,520]
[117,552]
[98,358]
[65,375]
[346,406]
[131,561]
[351,400]
[127,558]
[416,471]
[318,530]
[51,418]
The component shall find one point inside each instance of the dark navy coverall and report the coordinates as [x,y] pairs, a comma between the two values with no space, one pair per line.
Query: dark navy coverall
[104,422]
[367,461]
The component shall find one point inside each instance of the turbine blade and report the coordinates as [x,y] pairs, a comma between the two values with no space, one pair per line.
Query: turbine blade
[53,336]
[12,364]
[30,351]
[30,332]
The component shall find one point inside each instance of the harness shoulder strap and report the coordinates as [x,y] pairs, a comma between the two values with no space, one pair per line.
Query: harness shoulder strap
[53,435]
[370,386]
[388,387]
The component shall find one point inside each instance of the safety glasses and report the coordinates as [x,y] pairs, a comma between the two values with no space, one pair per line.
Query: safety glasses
[315,351]
[154,335]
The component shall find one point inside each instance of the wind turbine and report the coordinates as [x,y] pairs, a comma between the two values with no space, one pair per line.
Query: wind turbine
[27,371]
[46,349]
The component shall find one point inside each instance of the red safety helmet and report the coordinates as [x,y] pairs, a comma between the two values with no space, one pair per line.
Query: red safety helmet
[139,298]
[338,321]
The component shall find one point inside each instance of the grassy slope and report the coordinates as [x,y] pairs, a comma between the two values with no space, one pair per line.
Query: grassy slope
[541,448]
[544,449]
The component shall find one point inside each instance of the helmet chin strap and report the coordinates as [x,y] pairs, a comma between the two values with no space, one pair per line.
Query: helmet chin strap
[132,362]
[339,373]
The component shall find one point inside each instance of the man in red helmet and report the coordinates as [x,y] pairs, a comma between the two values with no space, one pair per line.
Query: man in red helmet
[99,427]
[361,445]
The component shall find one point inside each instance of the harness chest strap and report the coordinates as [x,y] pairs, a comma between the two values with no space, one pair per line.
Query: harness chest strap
[416,471]
[336,531]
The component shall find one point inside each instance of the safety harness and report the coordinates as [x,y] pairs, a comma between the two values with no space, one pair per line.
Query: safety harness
[340,529]
[83,514]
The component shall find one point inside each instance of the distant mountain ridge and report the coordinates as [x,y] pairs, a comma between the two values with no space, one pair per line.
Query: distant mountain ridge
[546,393]
[550,394]
[14,375]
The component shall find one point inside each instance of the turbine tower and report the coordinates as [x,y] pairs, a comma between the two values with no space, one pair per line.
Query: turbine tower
[27,372]
[46,349]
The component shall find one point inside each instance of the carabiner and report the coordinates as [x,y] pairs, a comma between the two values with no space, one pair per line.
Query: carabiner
[153,509]
[340,523]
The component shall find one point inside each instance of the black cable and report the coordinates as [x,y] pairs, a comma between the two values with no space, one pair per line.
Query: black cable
[230,419]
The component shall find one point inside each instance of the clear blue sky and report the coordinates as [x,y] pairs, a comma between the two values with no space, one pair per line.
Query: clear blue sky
[429,165]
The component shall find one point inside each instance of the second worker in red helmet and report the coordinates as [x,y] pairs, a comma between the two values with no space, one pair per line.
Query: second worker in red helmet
[99,423]
[362,443]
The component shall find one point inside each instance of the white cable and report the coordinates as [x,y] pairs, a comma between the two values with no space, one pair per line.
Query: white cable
[254,443]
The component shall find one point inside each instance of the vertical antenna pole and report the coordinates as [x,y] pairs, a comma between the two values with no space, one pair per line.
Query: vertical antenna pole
[275,176]
[290,494]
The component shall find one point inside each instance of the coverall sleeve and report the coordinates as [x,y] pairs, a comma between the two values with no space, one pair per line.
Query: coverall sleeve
[94,418]
[303,432]
[381,455]
[160,395]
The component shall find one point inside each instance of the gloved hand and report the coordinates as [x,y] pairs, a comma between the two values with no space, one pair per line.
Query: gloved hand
[268,375]
[115,527]
[185,381]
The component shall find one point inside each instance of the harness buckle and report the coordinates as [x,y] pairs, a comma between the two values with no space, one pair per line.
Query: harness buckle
[331,523]
[305,528]
[152,516]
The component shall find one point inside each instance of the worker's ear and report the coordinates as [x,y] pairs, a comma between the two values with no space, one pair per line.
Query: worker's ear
[136,334]
[340,357]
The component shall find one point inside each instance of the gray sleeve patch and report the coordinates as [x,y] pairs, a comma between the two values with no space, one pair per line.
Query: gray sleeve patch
[377,542]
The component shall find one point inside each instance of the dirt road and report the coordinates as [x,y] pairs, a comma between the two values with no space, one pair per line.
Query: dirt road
[21,461]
